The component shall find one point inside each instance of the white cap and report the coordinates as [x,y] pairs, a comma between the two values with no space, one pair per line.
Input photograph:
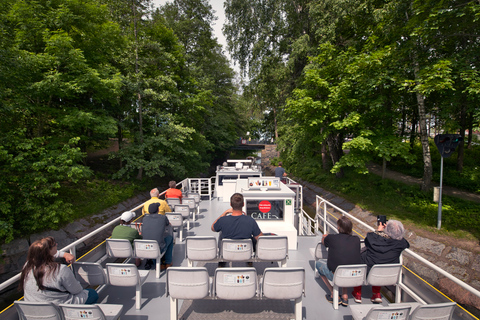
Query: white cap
[127,216]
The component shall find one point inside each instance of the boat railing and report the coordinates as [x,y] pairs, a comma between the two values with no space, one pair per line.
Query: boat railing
[202,186]
[324,209]
[307,226]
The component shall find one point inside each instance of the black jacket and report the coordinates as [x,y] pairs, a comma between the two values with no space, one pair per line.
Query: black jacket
[382,250]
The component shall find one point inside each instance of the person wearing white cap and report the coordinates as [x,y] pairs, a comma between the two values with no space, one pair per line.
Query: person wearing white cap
[125,231]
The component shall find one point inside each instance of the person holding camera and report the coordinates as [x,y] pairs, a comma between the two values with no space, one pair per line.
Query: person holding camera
[381,247]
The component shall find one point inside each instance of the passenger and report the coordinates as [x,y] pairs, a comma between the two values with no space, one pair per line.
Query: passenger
[237,225]
[382,247]
[344,249]
[280,171]
[125,231]
[162,208]
[43,279]
[153,228]
[173,192]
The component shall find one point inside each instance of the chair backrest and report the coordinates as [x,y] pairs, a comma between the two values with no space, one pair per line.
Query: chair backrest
[38,311]
[283,283]
[119,248]
[397,313]
[175,219]
[188,283]
[235,283]
[350,275]
[236,250]
[195,196]
[321,251]
[436,311]
[172,201]
[190,202]
[82,311]
[200,248]
[384,274]
[89,273]
[272,248]
[122,274]
[184,209]
[146,249]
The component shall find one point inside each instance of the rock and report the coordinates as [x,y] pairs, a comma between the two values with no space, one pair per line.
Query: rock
[459,255]
[476,263]
[61,237]
[428,245]
[17,246]
[461,295]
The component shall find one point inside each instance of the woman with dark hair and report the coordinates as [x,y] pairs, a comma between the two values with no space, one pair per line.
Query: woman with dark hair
[43,279]
[343,249]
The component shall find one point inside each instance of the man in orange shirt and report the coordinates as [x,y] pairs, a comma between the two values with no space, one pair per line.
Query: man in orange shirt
[173,192]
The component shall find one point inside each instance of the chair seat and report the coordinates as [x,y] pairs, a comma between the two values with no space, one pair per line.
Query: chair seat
[111,311]
[359,311]
[143,275]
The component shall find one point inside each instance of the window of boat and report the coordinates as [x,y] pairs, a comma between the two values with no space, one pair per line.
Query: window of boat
[226,177]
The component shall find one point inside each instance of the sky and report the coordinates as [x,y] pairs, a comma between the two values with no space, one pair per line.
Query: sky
[217,5]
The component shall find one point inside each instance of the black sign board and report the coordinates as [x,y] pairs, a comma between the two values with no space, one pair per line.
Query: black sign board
[265,209]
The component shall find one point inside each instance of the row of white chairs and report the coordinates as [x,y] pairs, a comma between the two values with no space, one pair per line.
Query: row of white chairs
[49,311]
[356,275]
[115,274]
[205,248]
[192,201]
[143,249]
[194,283]
[404,311]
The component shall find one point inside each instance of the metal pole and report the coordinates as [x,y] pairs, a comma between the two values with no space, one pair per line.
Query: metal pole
[439,219]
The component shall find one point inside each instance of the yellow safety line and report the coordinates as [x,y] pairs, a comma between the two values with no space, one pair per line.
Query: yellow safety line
[68,265]
[419,277]
[439,291]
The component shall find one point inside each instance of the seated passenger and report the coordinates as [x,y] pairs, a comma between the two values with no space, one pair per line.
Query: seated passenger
[153,228]
[382,247]
[173,192]
[234,224]
[125,231]
[162,208]
[43,279]
[343,249]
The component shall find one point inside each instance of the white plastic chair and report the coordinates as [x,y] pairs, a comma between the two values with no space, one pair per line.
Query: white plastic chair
[385,275]
[127,275]
[235,283]
[192,205]
[236,250]
[89,273]
[119,248]
[200,248]
[285,283]
[176,220]
[91,311]
[187,284]
[347,276]
[172,201]
[273,248]
[37,311]
[149,249]
[184,209]
[434,311]
[375,312]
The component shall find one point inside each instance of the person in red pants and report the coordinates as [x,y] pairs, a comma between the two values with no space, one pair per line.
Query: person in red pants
[381,247]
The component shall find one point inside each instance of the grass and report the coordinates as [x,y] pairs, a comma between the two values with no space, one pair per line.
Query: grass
[399,201]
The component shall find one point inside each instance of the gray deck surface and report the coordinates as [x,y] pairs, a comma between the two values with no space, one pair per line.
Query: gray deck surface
[156,305]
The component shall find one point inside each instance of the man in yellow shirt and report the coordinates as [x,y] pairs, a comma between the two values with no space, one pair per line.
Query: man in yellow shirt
[163,204]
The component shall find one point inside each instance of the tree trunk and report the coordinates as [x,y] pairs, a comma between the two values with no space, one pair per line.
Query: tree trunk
[384,168]
[470,130]
[463,125]
[422,121]
[139,96]
[335,146]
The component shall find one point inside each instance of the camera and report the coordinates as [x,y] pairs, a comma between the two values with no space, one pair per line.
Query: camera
[381,219]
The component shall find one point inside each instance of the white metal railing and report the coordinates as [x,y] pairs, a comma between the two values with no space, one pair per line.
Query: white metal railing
[307,226]
[321,214]
[202,186]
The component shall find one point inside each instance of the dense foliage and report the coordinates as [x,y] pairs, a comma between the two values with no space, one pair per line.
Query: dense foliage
[75,74]
[371,77]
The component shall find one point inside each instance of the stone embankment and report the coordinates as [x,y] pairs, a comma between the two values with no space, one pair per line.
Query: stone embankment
[461,263]
[14,254]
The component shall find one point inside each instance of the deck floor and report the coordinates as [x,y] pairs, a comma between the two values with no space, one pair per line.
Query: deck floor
[155,303]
